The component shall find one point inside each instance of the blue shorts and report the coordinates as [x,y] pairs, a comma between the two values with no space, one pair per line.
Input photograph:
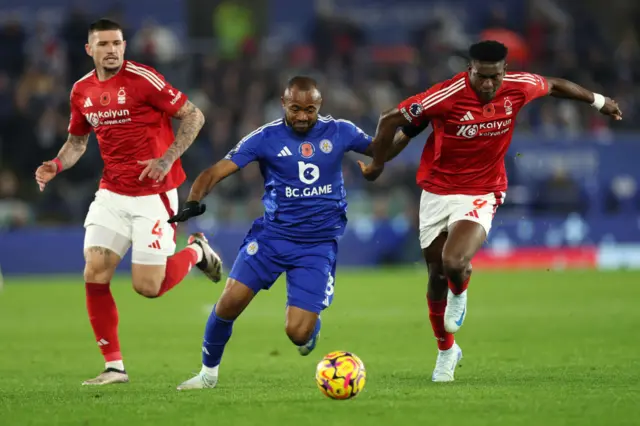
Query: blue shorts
[310,268]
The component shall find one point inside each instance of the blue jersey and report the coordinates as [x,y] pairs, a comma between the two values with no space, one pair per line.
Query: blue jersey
[304,195]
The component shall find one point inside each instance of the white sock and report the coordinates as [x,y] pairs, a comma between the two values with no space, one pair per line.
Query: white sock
[198,250]
[118,365]
[210,371]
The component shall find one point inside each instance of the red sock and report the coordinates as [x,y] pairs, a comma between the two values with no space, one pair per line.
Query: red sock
[103,315]
[457,290]
[178,266]
[436,316]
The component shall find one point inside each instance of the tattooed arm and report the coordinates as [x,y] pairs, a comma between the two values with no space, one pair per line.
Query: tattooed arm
[69,155]
[72,150]
[192,121]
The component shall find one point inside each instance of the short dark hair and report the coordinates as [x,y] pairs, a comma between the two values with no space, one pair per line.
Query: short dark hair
[488,51]
[302,83]
[104,25]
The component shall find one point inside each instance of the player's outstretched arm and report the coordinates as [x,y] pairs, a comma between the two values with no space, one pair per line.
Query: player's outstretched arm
[561,88]
[203,184]
[69,155]
[192,121]
[388,123]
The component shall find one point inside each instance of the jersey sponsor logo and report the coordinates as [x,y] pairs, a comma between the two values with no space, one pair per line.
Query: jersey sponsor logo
[176,98]
[105,99]
[415,110]
[508,107]
[252,248]
[308,173]
[306,150]
[404,112]
[312,191]
[326,146]
[496,128]
[122,96]
[108,117]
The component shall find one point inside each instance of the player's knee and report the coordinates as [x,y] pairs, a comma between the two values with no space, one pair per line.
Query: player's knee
[100,264]
[147,286]
[456,265]
[298,332]
[235,298]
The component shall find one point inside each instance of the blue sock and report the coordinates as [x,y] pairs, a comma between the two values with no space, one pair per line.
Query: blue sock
[216,335]
[316,330]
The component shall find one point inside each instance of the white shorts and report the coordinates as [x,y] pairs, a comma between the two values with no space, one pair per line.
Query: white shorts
[439,212]
[142,221]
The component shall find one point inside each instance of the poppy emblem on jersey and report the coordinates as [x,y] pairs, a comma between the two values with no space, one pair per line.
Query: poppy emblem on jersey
[105,99]
[415,110]
[122,96]
[508,107]
[307,150]
[489,110]
[326,146]
[252,248]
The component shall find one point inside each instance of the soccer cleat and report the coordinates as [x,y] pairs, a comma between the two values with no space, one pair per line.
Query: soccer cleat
[307,348]
[446,364]
[201,381]
[455,312]
[107,377]
[211,264]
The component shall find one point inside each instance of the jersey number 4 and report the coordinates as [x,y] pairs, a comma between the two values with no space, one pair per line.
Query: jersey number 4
[157,230]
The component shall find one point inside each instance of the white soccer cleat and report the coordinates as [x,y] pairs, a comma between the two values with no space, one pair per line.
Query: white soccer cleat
[107,377]
[446,364]
[201,381]
[455,312]
[211,264]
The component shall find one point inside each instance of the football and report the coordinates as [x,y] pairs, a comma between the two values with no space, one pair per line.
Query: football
[341,375]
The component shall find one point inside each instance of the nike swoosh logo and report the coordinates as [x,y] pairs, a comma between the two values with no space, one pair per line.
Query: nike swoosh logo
[459,322]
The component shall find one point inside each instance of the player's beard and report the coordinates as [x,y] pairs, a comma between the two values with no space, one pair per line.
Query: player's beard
[301,132]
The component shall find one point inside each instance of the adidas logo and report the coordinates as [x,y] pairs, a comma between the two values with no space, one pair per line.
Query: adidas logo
[88,103]
[102,342]
[285,152]
[472,213]
[155,245]
[468,117]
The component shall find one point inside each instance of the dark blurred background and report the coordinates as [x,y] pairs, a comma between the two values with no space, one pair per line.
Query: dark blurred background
[573,174]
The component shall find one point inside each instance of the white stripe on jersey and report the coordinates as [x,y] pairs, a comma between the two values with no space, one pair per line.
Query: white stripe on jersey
[147,72]
[518,80]
[87,75]
[442,94]
[154,80]
[255,132]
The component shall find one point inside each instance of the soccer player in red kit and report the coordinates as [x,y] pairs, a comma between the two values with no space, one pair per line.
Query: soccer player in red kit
[129,107]
[462,171]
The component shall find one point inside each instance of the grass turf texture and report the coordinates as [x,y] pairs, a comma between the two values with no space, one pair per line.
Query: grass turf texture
[541,348]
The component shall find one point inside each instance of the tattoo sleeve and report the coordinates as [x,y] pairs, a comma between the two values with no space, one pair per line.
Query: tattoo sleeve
[72,150]
[192,121]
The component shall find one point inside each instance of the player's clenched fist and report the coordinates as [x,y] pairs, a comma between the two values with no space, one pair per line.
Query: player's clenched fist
[190,209]
[371,171]
[45,173]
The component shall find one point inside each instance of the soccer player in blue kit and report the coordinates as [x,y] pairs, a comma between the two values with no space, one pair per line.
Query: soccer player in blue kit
[300,158]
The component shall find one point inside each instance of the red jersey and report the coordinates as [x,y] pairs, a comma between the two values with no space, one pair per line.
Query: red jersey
[465,152]
[130,114]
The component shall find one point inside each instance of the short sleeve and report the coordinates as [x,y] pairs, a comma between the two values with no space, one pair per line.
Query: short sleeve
[535,86]
[156,90]
[78,125]
[355,138]
[247,150]
[420,108]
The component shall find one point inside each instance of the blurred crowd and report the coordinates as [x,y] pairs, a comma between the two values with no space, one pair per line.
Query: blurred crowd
[239,86]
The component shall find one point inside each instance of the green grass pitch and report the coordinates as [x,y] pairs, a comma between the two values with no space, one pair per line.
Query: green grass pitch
[541,348]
